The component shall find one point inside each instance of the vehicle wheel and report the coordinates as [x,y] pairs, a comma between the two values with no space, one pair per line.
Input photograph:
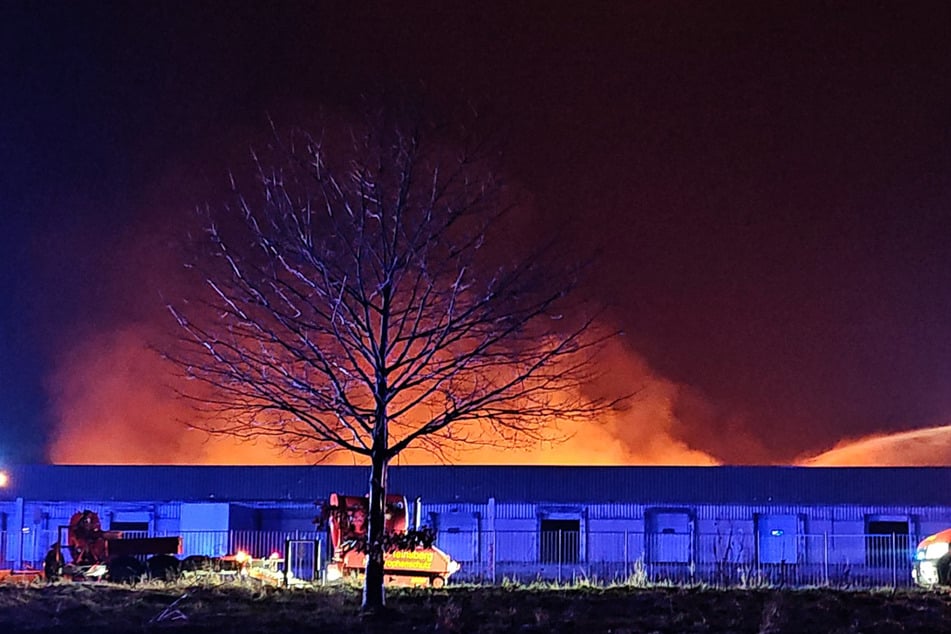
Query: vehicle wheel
[944,570]
[164,568]
[437,582]
[126,570]
[195,563]
[53,564]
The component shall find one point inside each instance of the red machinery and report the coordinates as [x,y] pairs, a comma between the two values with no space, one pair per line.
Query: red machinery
[409,557]
[96,553]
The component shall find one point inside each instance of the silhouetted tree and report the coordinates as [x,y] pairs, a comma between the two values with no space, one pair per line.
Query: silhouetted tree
[368,296]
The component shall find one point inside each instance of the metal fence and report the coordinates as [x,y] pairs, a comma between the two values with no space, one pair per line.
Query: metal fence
[735,559]
[27,549]
[717,559]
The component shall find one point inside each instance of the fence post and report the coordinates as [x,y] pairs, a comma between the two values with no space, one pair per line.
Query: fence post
[627,565]
[287,558]
[318,561]
[492,542]
[756,554]
[894,564]
[18,525]
[825,557]
[490,512]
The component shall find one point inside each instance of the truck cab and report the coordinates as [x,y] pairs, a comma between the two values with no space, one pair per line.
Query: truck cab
[933,560]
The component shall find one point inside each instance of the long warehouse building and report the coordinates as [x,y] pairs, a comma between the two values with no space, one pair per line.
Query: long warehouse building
[713,524]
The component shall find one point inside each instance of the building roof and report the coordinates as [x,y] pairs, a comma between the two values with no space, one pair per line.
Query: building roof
[906,486]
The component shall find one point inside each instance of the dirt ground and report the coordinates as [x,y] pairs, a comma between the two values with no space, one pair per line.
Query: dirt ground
[619,610]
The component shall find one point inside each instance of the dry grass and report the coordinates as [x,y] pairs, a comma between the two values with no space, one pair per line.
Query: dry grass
[589,609]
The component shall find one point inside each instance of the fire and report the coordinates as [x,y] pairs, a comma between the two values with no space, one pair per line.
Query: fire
[114,407]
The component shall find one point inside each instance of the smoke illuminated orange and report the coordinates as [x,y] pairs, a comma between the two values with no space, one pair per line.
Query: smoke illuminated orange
[919,447]
[114,407]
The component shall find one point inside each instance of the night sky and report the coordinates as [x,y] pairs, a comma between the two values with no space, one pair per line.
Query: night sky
[769,185]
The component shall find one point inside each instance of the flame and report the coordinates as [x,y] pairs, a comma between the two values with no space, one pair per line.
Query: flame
[926,447]
[114,406]
[111,404]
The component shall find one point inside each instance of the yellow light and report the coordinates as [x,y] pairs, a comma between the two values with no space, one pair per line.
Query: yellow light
[241,556]
[4,479]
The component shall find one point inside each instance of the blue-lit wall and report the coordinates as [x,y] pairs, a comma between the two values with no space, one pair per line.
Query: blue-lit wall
[612,519]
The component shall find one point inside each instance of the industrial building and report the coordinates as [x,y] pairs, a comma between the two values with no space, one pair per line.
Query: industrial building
[852,526]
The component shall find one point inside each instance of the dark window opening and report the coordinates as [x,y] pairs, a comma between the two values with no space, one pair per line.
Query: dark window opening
[887,543]
[560,541]
[130,527]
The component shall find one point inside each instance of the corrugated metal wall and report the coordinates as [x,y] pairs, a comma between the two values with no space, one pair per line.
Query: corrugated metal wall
[767,486]
[669,519]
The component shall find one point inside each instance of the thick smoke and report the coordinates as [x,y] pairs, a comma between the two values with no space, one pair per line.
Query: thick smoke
[115,403]
[114,400]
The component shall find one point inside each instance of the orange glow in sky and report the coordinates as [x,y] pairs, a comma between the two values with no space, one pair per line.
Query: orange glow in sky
[114,407]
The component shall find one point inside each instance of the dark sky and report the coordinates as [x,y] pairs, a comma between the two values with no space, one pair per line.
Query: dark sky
[770,182]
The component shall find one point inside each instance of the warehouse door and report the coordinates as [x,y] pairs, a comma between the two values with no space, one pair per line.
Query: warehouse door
[457,534]
[560,541]
[670,536]
[777,538]
[887,541]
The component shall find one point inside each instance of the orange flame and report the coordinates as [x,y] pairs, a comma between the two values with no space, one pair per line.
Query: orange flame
[114,407]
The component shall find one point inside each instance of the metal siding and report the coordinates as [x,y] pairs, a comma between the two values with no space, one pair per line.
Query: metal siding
[461,509]
[168,511]
[686,486]
[516,511]
[615,511]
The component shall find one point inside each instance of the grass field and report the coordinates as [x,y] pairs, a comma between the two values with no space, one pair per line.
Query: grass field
[620,610]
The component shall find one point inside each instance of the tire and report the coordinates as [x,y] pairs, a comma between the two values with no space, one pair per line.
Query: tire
[437,582]
[126,570]
[197,563]
[164,568]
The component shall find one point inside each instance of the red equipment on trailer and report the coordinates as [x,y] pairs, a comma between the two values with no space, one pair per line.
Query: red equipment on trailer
[96,553]
[421,564]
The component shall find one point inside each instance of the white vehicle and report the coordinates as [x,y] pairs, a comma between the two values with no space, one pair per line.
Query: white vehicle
[933,560]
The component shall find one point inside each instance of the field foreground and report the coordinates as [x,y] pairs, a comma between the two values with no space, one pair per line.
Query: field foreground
[107,609]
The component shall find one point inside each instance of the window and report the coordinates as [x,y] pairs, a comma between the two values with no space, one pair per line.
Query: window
[130,527]
[887,542]
[560,541]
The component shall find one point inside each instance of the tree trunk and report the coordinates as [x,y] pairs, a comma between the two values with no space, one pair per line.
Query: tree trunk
[374,597]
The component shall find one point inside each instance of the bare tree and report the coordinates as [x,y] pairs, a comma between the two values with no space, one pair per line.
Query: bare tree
[367,298]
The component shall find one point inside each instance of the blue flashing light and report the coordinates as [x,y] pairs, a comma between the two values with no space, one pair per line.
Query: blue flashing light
[777,532]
